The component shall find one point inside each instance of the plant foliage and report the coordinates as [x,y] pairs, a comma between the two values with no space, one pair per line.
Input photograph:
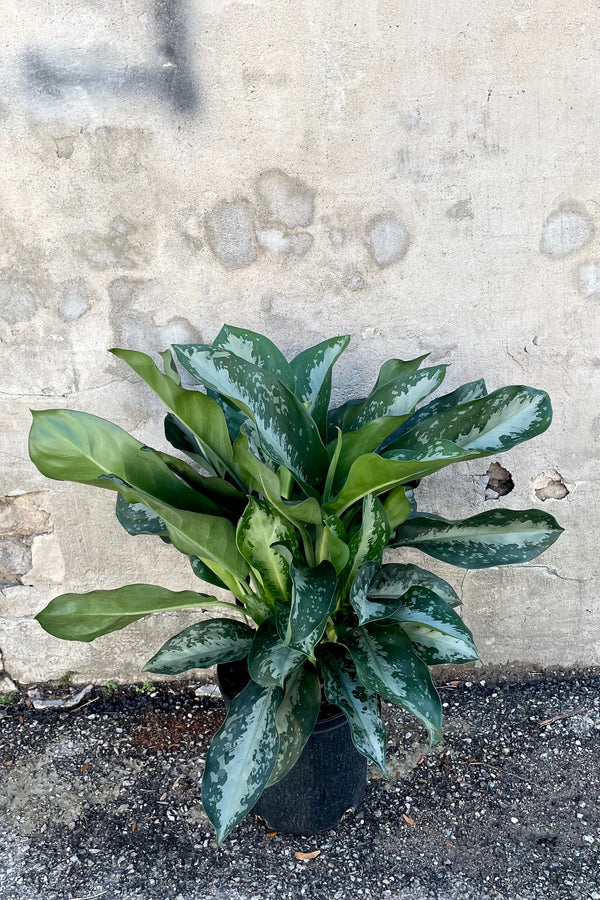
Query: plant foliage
[289,506]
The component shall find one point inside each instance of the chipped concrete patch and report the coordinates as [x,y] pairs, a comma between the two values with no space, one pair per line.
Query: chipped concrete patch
[24,520]
[500,482]
[388,240]
[287,200]
[551,485]
[231,234]
[566,231]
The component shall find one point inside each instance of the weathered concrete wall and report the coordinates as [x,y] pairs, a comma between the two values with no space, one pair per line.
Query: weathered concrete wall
[422,175]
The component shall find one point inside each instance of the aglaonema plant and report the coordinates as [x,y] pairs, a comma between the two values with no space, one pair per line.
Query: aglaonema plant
[289,506]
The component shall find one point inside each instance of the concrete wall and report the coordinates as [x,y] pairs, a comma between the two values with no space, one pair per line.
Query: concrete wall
[423,175]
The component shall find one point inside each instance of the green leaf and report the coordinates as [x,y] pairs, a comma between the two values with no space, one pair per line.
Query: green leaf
[138,519]
[257,349]
[202,571]
[287,432]
[370,541]
[395,398]
[83,617]
[438,649]
[269,661]
[296,718]
[241,757]
[387,664]
[421,607]
[212,538]
[76,446]
[375,474]
[360,705]
[201,646]
[491,424]
[364,440]
[397,368]
[499,537]
[265,481]
[331,546]
[259,528]
[313,601]
[397,507]
[335,417]
[182,439]
[394,579]
[169,366]
[471,391]
[199,413]
[312,371]
[359,592]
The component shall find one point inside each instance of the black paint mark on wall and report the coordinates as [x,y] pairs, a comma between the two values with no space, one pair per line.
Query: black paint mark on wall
[169,78]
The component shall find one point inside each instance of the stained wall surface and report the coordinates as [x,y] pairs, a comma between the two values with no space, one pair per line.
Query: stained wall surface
[421,175]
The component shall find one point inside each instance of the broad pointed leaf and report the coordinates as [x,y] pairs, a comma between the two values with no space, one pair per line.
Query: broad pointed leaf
[438,649]
[333,547]
[259,528]
[270,661]
[182,439]
[312,371]
[201,646]
[360,705]
[241,757]
[287,432]
[395,398]
[393,580]
[491,424]
[296,718]
[375,474]
[471,391]
[364,440]
[371,539]
[202,571]
[420,606]
[256,349]
[397,507]
[359,593]
[76,446]
[138,519]
[396,368]
[499,537]
[387,664]
[212,538]
[199,413]
[265,481]
[313,601]
[83,617]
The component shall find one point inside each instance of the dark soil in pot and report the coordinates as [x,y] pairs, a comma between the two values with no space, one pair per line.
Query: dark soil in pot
[328,780]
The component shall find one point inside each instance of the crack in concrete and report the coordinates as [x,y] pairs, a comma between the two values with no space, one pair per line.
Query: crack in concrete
[551,572]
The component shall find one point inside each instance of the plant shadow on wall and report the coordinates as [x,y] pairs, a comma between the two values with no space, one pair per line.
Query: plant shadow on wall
[289,506]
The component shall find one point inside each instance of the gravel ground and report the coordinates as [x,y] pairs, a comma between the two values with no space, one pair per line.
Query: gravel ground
[103,801]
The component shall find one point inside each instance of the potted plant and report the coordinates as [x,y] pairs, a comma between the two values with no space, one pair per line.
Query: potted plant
[289,506]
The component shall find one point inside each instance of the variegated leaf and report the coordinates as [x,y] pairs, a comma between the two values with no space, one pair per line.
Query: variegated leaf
[256,349]
[370,541]
[313,601]
[395,398]
[312,371]
[499,537]
[436,648]
[421,606]
[343,688]
[241,757]
[386,663]
[471,391]
[394,579]
[287,432]
[491,424]
[269,660]
[296,718]
[138,519]
[201,646]
[397,368]
[259,528]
